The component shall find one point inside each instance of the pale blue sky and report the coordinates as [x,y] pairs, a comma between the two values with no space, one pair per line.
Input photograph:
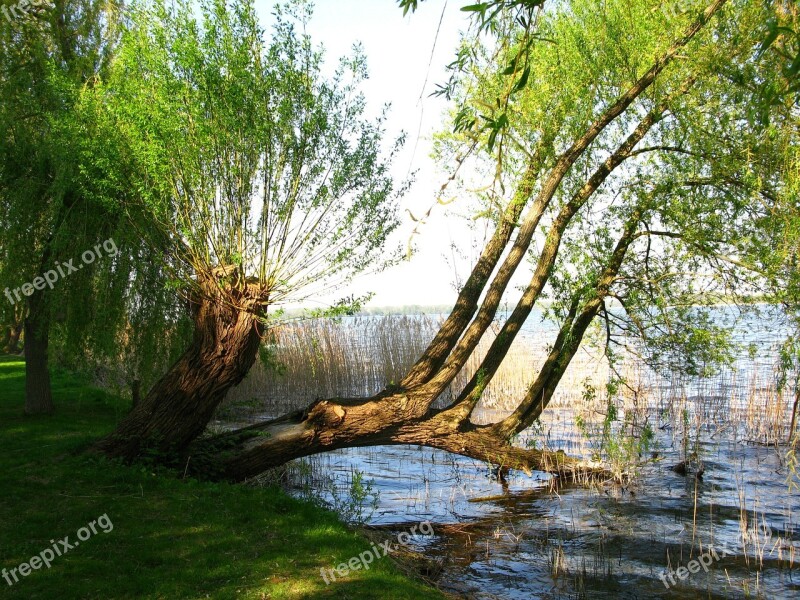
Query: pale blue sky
[399,50]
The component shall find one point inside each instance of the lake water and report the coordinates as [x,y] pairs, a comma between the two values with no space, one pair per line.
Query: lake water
[531,538]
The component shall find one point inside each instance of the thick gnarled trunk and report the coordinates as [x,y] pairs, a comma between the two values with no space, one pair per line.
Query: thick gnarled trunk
[179,406]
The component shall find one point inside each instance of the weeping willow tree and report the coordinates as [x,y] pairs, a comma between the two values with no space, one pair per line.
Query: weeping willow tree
[47,56]
[259,179]
[59,198]
[623,158]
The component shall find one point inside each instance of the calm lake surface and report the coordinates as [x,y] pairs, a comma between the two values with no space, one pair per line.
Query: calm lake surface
[530,538]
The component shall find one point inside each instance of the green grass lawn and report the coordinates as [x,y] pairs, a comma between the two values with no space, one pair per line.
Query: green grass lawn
[171,538]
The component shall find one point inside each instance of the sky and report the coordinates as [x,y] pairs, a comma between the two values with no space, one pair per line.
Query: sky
[406,58]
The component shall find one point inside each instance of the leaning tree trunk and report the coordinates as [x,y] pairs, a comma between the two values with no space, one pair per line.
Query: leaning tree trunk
[333,424]
[180,405]
[384,419]
[38,394]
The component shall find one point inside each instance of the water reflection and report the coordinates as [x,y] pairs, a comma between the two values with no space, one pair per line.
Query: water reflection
[531,538]
[538,540]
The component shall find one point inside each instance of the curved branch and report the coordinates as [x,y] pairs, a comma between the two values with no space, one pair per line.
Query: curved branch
[541,391]
[547,259]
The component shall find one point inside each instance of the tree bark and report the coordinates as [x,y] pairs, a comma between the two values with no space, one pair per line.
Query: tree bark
[6,338]
[14,334]
[329,425]
[180,405]
[38,394]
[569,339]
[467,302]
[136,393]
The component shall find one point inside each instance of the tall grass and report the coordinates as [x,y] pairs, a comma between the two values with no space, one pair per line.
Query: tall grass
[360,356]
[325,358]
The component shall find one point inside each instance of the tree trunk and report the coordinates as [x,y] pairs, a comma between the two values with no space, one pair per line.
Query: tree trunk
[14,334]
[136,393]
[180,405]
[794,410]
[330,425]
[6,338]
[38,395]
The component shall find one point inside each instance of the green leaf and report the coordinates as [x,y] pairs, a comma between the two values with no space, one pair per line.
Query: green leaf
[794,68]
[481,8]
[493,138]
[769,40]
[510,69]
[408,5]
[523,81]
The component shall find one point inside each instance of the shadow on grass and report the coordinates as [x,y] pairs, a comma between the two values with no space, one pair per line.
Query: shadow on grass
[171,538]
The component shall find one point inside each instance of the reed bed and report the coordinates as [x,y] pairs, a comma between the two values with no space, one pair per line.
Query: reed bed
[326,358]
[359,356]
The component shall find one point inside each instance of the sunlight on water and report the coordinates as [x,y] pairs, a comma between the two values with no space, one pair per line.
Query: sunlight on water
[528,538]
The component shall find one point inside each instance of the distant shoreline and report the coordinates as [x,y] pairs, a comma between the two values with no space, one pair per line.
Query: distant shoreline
[444,309]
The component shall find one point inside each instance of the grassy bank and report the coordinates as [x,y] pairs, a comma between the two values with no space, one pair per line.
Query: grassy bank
[170,538]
